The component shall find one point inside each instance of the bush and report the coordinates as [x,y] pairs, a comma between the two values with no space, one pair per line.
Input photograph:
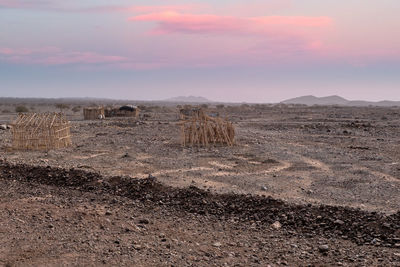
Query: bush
[61,106]
[220,106]
[21,109]
[76,109]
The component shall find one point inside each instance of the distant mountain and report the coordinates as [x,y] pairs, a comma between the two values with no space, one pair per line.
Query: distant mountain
[189,99]
[310,100]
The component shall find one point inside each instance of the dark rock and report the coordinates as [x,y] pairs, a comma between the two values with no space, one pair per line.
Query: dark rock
[144,221]
[323,248]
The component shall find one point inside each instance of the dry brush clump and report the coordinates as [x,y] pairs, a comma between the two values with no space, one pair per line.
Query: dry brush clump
[198,128]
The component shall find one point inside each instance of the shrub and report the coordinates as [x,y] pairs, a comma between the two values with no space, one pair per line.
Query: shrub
[61,106]
[76,109]
[21,109]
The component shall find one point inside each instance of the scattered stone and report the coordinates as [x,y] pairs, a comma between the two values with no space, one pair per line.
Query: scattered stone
[323,248]
[126,155]
[144,221]
[264,188]
[3,127]
[137,247]
[276,225]
[375,241]
[339,222]
[217,244]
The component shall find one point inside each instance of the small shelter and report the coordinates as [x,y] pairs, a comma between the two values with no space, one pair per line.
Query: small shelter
[124,111]
[45,131]
[93,113]
[200,129]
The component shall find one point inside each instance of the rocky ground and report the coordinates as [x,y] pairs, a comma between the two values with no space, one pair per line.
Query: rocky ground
[335,171]
[56,217]
[328,155]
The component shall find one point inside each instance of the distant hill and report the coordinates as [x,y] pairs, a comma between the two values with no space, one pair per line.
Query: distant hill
[189,99]
[310,100]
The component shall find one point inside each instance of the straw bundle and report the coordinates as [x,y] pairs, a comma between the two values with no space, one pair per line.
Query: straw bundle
[203,130]
[41,131]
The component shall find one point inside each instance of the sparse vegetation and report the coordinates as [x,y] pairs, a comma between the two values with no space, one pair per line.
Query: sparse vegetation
[21,109]
[61,106]
[76,109]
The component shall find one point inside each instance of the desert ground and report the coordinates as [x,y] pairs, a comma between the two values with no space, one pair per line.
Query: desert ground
[316,186]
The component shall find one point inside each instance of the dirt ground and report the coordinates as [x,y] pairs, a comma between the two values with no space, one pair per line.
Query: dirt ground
[56,217]
[329,155]
[340,156]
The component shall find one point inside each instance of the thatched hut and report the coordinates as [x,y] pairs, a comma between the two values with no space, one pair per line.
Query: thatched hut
[201,129]
[41,131]
[93,113]
[124,111]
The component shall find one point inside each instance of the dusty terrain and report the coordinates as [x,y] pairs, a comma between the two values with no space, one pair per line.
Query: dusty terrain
[337,156]
[330,155]
[54,217]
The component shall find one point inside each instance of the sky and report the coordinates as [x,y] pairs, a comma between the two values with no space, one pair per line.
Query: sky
[258,51]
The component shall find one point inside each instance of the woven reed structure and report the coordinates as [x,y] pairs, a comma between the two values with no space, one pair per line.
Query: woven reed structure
[93,113]
[124,111]
[45,131]
[203,130]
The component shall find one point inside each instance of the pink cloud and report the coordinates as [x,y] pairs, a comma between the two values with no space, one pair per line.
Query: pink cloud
[174,22]
[54,56]
[242,40]
[137,9]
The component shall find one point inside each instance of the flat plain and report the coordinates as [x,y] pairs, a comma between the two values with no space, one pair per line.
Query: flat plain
[342,159]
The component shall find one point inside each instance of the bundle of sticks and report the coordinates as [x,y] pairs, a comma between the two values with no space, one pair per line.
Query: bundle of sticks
[203,130]
[41,131]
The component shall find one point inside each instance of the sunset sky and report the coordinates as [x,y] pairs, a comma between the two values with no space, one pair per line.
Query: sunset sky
[225,50]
